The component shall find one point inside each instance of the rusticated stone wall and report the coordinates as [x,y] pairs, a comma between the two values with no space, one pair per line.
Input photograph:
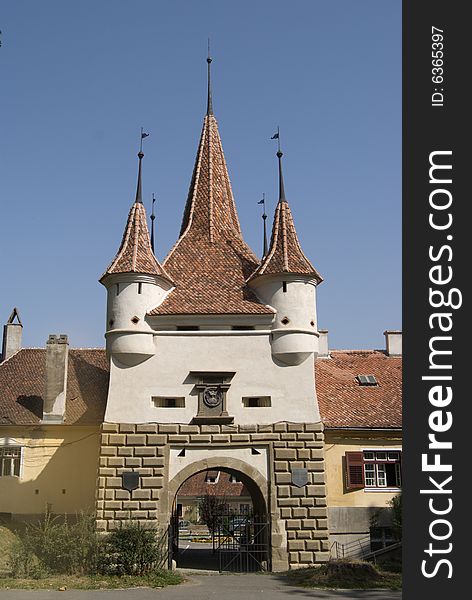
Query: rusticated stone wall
[298,515]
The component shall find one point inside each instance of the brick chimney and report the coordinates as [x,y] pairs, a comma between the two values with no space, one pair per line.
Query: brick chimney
[12,333]
[57,352]
[323,351]
[393,342]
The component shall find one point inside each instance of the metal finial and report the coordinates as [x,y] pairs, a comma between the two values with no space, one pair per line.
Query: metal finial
[209,98]
[264,219]
[153,216]
[276,136]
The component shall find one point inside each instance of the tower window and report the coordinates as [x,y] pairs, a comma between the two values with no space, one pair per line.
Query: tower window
[111,322]
[284,286]
[257,401]
[140,288]
[117,289]
[135,320]
[285,321]
[163,402]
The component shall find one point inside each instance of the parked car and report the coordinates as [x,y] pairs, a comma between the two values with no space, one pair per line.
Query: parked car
[184,524]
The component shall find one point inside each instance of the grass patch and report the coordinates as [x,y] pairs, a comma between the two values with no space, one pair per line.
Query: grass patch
[157,579]
[345,575]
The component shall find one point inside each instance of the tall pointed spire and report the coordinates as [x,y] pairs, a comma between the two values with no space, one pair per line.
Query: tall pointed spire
[210,261]
[209,98]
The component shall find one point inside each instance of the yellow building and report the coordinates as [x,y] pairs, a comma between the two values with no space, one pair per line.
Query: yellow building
[48,461]
[360,402]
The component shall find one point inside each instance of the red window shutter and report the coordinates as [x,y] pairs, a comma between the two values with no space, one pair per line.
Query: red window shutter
[354,470]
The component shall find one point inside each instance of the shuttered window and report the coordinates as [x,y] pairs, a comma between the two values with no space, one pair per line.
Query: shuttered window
[354,470]
[375,470]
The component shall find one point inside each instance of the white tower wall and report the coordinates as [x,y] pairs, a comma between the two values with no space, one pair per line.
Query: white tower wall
[130,296]
[294,332]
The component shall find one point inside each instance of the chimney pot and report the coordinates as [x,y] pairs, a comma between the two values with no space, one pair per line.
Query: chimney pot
[12,334]
[393,343]
[323,351]
[57,353]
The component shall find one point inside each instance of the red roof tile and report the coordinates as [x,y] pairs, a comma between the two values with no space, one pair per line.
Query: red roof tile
[198,486]
[345,403]
[210,261]
[22,383]
[285,254]
[135,254]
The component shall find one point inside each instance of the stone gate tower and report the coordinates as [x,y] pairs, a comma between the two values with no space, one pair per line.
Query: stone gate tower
[212,366]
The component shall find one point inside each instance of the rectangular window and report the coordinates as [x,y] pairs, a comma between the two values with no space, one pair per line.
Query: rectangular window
[284,286]
[10,461]
[256,401]
[165,402]
[140,288]
[373,469]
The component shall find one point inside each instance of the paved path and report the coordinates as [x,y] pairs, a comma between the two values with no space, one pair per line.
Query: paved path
[208,587]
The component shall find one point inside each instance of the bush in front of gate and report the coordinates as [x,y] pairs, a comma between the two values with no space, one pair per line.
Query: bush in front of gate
[55,545]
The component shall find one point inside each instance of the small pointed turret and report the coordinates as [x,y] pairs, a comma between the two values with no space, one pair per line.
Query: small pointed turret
[286,280]
[135,282]
[135,254]
[285,254]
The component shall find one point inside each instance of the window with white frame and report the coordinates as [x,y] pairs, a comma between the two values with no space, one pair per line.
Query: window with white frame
[10,461]
[373,469]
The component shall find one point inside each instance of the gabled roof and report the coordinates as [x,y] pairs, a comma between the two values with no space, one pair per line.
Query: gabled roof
[197,485]
[22,384]
[210,261]
[345,403]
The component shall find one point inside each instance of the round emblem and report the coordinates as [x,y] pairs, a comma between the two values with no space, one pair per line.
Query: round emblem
[212,396]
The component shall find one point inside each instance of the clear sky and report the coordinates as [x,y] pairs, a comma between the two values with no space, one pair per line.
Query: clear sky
[79,79]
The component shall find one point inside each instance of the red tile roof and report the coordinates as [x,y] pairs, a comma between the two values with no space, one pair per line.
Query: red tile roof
[198,486]
[22,383]
[285,254]
[345,403]
[135,254]
[210,261]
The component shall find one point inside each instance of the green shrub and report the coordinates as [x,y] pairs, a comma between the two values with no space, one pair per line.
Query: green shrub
[54,545]
[130,550]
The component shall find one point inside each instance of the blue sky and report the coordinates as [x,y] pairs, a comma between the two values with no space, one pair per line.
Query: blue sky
[80,78]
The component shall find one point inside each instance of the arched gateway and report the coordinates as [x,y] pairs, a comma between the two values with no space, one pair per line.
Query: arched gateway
[212,365]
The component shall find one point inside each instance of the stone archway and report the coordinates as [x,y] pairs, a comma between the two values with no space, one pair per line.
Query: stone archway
[254,482]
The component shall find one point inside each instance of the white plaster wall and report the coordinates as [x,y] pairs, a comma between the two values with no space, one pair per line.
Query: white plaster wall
[192,455]
[298,303]
[122,307]
[292,388]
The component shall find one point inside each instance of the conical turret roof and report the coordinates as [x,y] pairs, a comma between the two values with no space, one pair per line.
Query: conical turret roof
[135,254]
[285,253]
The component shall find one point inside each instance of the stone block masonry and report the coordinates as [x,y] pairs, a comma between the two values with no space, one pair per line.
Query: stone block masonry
[299,526]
